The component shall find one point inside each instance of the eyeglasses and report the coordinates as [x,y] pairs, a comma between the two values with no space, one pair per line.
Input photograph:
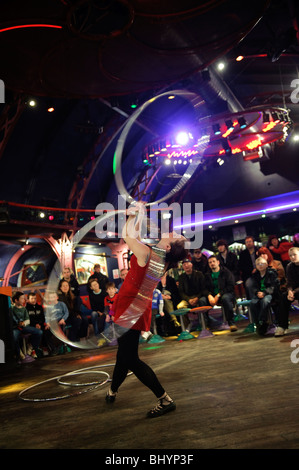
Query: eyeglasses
[261,264]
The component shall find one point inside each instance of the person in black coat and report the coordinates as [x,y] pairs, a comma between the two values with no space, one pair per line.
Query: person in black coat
[228,259]
[265,286]
[292,293]
[68,275]
[220,284]
[101,278]
[192,290]
[200,261]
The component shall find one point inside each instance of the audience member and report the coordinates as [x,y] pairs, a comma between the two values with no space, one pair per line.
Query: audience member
[68,275]
[21,325]
[101,278]
[247,265]
[192,289]
[247,259]
[123,273]
[200,261]
[170,294]
[56,311]
[37,319]
[265,285]
[292,293]
[280,249]
[157,309]
[78,323]
[220,285]
[228,259]
[97,299]
[296,240]
[265,253]
[109,301]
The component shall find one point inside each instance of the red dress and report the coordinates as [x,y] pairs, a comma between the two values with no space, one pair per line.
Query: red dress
[128,293]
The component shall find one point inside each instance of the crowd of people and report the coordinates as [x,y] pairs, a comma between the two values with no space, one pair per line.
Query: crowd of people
[267,276]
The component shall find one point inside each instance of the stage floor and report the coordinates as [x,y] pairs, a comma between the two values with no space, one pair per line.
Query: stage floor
[233,391]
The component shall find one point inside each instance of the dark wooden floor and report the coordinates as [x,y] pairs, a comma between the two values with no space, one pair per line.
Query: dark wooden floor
[233,391]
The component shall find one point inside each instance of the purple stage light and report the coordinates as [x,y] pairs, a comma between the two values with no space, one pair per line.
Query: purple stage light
[268,210]
[182,138]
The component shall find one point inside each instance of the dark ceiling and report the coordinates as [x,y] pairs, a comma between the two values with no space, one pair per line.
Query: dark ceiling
[91,60]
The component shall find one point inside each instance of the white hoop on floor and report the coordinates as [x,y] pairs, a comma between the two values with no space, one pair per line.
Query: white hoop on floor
[86,370]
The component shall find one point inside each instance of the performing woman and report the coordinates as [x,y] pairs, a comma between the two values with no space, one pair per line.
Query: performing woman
[134,301]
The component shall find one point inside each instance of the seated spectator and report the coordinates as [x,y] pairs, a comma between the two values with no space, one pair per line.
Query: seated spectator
[220,285]
[21,325]
[56,310]
[266,291]
[296,240]
[97,299]
[200,261]
[265,253]
[56,313]
[101,278]
[109,301]
[192,290]
[68,275]
[77,322]
[279,249]
[292,293]
[171,298]
[228,259]
[157,309]
[123,273]
[37,319]
[247,267]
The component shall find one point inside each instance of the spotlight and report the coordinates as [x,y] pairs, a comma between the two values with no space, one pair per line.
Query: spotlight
[50,109]
[167,161]
[42,215]
[239,58]
[182,138]
[242,122]
[51,217]
[221,66]
[32,103]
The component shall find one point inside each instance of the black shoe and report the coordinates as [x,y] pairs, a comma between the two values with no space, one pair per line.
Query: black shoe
[261,328]
[161,409]
[110,398]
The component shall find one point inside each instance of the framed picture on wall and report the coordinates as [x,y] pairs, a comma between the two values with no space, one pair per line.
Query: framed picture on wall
[34,274]
[84,267]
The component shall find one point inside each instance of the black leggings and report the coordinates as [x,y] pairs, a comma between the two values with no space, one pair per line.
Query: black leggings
[127,359]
